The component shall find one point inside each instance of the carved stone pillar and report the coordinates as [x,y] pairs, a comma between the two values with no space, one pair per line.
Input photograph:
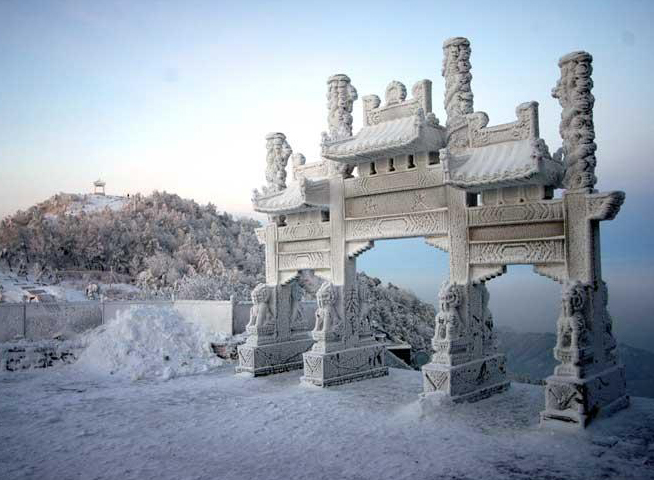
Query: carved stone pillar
[341,95]
[456,71]
[345,349]
[276,342]
[465,364]
[590,380]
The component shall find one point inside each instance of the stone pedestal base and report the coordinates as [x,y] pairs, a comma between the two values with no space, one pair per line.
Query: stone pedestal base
[574,402]
[467,382]
[334,368]
[272,358]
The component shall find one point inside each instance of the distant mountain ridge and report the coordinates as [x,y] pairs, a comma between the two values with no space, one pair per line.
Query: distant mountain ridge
[530,358]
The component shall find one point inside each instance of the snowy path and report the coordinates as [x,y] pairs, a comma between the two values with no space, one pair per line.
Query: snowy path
[64,424]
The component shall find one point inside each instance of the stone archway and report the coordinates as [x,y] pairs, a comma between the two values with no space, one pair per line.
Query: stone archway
[482,193]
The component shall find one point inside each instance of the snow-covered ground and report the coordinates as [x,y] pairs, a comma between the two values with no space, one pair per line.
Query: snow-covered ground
[75,204]
[71,424]
[15,288]
[147,400]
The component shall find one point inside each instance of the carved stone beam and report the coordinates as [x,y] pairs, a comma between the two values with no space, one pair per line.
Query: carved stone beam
[440,242]
[483,273]
[605,205]
[354,249]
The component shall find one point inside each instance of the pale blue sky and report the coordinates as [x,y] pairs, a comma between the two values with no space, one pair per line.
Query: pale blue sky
[178,96]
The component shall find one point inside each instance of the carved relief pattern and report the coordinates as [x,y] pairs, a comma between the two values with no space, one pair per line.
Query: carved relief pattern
[562,396]
[573,90]
[456,71]
[410,225]
[572,328]
[278,152]
[396,202]
[303,246]
[301,232]
[540,251]
[604,206]
[437,379]
[300,261]
[516,213]
[482,135]
[341,95]
[387,183]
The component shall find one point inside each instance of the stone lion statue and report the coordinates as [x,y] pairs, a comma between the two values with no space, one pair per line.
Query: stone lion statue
[327,319]
[448,321]
[571,325]
[92,291]
[260,313]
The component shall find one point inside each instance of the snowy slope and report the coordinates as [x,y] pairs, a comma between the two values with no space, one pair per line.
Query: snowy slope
[75,204]
[66,425]
[15,288]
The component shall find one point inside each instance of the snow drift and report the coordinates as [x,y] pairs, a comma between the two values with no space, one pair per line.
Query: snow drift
[150,342]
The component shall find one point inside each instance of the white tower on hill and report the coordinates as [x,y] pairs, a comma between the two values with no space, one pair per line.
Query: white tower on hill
[98,187]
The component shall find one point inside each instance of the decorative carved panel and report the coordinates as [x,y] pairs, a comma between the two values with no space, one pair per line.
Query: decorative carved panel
[526,252]
[396,202]
[419,178]
[518,231]
[528,212]
[304,246]
[396,226]
[301,232]
[302,261]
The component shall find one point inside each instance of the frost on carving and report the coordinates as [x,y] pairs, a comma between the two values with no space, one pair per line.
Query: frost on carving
[488,335]
[277,153]
[341,95]
[448,320]
[456,71]
[395,93]
[296,314]
[610,344]
[328,323]
[572,331]
[573,90]
[260,313]
[340,100]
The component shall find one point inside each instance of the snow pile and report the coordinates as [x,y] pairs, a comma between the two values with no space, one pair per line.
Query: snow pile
[150,342]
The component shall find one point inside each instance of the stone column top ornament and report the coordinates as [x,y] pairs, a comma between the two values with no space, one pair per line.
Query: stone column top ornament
[341,95]
[456,71]
[278,152]
[573,91]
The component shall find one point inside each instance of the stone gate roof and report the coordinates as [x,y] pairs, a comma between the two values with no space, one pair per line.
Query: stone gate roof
[522,162]
[299,196]
[406,135]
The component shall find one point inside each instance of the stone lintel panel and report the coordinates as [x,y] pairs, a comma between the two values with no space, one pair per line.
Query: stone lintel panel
[526,252]
[431,223]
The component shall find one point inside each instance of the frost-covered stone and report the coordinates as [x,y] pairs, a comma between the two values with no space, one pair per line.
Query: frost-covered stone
[482,193]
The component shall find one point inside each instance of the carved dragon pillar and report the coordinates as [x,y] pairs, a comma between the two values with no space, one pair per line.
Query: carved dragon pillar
[274,344]
[341,95]
[465,364]
[589,381]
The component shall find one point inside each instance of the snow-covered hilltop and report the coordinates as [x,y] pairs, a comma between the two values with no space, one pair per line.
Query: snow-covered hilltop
[162,242]
[76,204]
